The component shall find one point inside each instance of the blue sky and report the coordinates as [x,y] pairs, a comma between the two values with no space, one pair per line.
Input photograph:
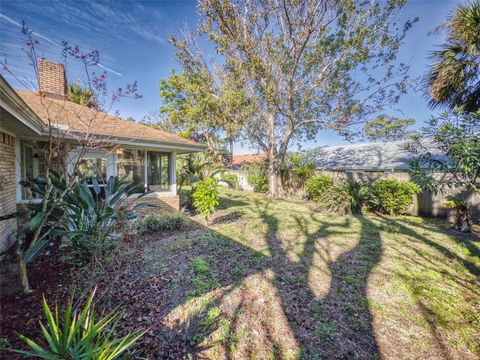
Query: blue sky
[132,38]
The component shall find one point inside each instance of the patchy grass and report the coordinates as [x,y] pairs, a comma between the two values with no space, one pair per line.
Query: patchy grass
[277,280]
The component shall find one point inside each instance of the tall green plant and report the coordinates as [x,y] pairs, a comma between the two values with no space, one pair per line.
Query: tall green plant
[85,216]
[91,215]
[205,197]
[454,78]
[78,335]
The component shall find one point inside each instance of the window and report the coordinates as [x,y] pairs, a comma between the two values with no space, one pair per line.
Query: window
[158,169]
[93,166]
[148,169]
[131,166]
[33,163]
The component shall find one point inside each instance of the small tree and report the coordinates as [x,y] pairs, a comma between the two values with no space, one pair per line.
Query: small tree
[205,197]
[456,135]
[60,143]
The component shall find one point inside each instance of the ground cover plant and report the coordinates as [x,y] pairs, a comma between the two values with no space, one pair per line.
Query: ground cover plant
[274,279]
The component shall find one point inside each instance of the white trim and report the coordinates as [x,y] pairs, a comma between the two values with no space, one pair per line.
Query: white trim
[145,171]
[18,170]
[16,114]
[172,172]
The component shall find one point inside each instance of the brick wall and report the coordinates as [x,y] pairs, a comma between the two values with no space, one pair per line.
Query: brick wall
[165,202]
[52,79]
[7,190]
[8,228]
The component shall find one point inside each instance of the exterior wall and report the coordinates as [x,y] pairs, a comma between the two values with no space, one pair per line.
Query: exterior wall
[164,202]
[242,179]
[8,228]
[8,203]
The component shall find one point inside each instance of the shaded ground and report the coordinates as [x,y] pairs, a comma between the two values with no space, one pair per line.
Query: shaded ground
[273,279]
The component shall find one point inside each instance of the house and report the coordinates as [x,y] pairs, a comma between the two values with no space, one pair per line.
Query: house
[373,161]
[239,160]
[131,151]
[383,157]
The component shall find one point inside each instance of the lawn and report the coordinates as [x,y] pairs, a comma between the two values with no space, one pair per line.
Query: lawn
[275,279]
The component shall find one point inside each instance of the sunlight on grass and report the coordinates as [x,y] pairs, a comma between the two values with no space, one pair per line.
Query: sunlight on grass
[279,280]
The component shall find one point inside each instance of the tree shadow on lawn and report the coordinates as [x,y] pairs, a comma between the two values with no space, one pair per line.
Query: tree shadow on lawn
[462,239]
[269,301]
[425,288]
[339,324]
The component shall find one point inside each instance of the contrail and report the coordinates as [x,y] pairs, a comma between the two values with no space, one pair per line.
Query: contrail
[35,33]
[52,42]
[107,69]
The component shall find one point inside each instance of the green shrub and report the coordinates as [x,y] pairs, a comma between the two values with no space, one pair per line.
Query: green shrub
[317,185]
[337,195]
[259,182]
[230,179]
[86,216]
[79,335]
[305,171]
[205,197]
[163,221]
[257,176]
[392,196]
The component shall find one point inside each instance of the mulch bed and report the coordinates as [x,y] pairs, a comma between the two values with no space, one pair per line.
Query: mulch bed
[144,297]
[48,275]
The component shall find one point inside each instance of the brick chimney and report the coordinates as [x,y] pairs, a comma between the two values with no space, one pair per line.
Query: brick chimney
[52,79]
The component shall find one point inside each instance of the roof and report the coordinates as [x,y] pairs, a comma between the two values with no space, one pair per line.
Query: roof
[239,160]
[371,156]
[16,116]
[76,118]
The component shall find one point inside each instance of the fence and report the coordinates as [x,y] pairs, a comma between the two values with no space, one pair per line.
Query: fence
[426,204]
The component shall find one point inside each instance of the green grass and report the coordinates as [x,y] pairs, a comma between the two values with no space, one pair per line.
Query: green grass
[278,279]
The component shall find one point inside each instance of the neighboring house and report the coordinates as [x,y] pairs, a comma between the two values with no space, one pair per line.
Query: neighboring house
[239,160]
[236,168]
[373,161]
[131,151]
[367,158]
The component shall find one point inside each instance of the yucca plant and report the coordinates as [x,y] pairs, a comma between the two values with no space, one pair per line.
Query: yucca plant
[78,335]
[85,216]
[92,214]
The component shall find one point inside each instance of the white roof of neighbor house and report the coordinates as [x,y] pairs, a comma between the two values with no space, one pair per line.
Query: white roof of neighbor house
[371,156]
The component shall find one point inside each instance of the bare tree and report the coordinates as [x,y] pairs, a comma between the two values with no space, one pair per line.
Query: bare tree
[64,147]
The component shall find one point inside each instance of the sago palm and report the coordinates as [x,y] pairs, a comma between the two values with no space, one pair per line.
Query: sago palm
[454,78]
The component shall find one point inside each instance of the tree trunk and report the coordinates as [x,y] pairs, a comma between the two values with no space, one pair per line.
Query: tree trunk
[273,166]
[22,269]
[462,220]
[274,181]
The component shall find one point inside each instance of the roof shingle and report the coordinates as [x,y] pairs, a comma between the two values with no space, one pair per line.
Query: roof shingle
[77,118]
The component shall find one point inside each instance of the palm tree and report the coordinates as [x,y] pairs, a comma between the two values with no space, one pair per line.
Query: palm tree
[81,95]
[454,78]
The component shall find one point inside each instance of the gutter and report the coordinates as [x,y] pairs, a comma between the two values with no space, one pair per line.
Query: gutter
[14,104]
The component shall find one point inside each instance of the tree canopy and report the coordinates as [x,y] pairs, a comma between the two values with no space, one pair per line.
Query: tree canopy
[306,66]
[454,78]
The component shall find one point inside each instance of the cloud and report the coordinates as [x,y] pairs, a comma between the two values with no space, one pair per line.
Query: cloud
[8,19]
[35,33]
